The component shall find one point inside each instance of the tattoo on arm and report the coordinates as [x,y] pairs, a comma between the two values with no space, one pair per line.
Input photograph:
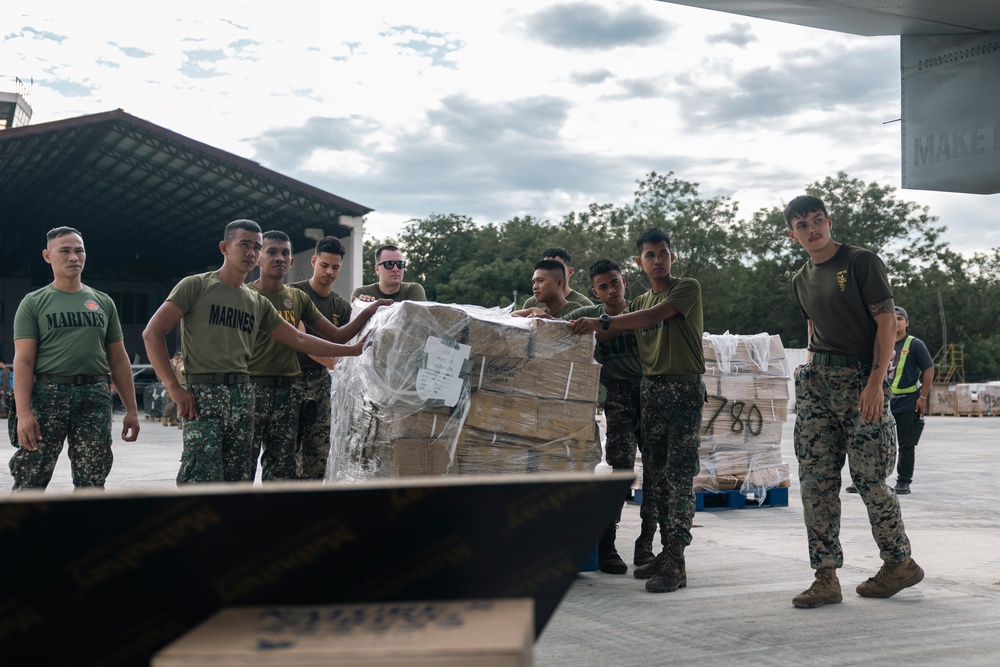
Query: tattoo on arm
[876,351]
[882,307]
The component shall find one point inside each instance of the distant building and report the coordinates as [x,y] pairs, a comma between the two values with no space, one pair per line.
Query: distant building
[151,205]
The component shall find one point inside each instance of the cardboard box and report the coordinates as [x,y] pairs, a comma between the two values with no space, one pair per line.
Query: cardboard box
[534,418]
[411,457]
[487,633]
[542,378]
[492,337]
[552,339]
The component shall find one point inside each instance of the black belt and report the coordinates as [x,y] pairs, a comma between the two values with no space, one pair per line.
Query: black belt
[827,359]
[308,373]
[217,378]
[73,379]
[272,380]
[689,377]
[624,384]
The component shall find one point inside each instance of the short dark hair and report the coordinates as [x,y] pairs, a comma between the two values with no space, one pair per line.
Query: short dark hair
[556,251]
[330,244]
[56,232]
[276,235]
[803,205]
[551,265]
[242,223]
[381,249]
[652,235]
[603,266]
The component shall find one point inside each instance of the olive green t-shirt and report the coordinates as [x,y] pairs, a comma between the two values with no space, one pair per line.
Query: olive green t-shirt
[619,356]
[574,297]
[673,346]
[219,323]
[333,307]
[72,330]
[835,296]
[270,357]
[407,292]
[562,312]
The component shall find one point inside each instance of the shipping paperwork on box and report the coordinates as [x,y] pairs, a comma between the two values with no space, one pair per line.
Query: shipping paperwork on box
[449,389]
[470,633]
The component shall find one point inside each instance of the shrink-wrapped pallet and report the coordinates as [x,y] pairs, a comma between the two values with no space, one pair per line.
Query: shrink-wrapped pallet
[747,383]
[454,389]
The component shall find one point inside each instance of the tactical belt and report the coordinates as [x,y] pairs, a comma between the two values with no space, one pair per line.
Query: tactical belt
[309,373]
[218,378]
[826,359]
[624,384]
[689,377]
[272,380]
[72,379]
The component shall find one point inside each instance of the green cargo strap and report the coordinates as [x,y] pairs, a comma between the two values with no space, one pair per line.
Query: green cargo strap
[903,354]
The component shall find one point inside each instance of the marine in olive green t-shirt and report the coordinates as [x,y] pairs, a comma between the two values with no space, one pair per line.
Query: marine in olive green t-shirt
[72,330]
[835,296]
[219,323]
[407,292]
[271,358]
[673,346]
[333,307]
[573,297]
[618,356]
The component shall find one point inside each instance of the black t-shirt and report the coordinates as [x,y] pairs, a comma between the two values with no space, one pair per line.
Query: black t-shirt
[918,359]
[835,297]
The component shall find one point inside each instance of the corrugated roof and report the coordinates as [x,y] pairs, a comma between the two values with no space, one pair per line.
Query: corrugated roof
[150,203]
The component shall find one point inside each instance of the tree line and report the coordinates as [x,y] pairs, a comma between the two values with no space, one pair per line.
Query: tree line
[744,265]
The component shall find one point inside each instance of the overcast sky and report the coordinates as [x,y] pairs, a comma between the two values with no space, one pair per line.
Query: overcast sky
[493,109]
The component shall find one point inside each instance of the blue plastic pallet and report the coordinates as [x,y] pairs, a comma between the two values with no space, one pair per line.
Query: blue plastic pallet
[713,501]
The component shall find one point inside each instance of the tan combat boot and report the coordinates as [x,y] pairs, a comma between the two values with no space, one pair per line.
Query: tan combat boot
[824,590]
[892,578]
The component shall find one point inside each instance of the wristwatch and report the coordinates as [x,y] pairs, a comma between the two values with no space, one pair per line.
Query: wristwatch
[605,321]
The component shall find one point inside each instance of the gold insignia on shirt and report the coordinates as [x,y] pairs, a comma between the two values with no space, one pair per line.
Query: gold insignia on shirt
[842,279]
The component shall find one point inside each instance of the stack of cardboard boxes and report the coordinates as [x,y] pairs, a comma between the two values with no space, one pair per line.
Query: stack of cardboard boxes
[747,382]
[449,389]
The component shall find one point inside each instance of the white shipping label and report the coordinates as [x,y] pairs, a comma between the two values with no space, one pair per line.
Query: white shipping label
[439,379]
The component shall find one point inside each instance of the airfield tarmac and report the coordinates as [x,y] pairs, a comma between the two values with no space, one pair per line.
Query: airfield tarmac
[745,566]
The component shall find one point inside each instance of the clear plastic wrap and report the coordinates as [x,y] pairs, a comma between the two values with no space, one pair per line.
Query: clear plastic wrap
[747,382]
[457,389]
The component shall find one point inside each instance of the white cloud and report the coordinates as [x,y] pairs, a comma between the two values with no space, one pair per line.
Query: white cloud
[488,109]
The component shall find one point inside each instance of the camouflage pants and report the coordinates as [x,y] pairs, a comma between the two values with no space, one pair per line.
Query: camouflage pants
[275,427]
[217,443]
[828,430]
[77,414]
[313,448]
[622,411]
[671,425]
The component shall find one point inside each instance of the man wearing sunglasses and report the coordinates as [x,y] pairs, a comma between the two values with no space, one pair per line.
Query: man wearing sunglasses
[389,267]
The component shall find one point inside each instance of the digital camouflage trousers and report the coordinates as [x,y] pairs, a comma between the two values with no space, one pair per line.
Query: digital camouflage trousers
[77,414]
[276,426]
[218,442]
[671,425]
[313,448]
[622,410]
[828,431]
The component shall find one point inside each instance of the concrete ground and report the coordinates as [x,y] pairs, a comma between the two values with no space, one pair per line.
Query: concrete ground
[745,566]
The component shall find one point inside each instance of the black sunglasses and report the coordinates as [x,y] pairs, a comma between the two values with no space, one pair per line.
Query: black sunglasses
[388,264]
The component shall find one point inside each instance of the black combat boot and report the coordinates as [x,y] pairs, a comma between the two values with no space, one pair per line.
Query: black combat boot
[672,573]
[608,559]
[644,543]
